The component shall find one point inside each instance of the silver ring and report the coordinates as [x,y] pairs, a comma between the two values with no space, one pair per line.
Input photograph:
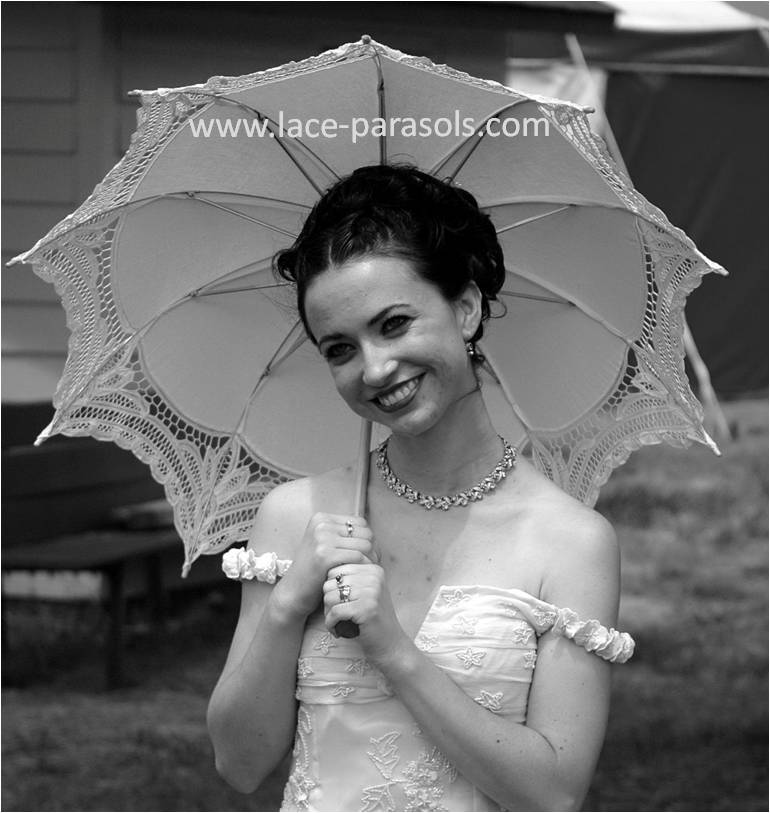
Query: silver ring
[349,526]
[344,592]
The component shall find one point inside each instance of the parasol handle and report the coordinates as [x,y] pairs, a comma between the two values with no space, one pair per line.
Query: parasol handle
[349,629]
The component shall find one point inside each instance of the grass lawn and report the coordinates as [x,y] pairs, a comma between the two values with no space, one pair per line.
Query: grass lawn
[688,728]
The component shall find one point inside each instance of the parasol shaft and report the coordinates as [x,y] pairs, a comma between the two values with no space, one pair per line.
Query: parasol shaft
[362,468]
[349,629]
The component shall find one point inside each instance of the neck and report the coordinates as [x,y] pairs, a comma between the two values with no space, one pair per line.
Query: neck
[451,456]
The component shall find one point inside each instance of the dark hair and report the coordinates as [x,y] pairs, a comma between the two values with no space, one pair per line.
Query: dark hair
[399,211]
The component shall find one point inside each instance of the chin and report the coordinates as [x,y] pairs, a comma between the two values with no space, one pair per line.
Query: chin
[412,424]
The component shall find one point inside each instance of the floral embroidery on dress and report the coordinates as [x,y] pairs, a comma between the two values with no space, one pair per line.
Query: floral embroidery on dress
[424,787]
[360,666]
[325,643]
[296,795]
[493,702]
[522,634]
[304,669]
[454,597]
[427,642]
[342,690]
[465,625]
[423,781]
[544,617]
[385,754]
[471,657]
[378,797]
[530,657]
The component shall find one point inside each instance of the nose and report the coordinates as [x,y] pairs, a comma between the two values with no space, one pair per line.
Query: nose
[378,366]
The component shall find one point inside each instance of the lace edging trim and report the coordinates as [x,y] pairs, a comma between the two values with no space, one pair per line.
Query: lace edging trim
[243,564]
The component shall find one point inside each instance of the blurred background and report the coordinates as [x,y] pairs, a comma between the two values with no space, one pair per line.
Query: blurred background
[109,660]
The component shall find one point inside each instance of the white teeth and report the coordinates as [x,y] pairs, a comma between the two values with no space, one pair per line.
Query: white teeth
[404,391]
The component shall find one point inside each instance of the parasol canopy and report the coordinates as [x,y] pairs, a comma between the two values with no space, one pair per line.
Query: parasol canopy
[185,349]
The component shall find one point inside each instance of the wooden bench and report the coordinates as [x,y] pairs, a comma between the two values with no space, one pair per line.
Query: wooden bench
[61,503]
[108,552]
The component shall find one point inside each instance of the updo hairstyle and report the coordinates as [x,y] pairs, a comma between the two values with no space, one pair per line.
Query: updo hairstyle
[399,211]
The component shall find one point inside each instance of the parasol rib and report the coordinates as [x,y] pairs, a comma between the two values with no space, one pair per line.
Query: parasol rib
[139,332]
[264,287]
[567,300]
[139,202]
[207,500]
[506,391]
[470,139]
[533,218]
[536,298]
[295,339]
[196,196]
[591,314]
[382,141]
[277,137]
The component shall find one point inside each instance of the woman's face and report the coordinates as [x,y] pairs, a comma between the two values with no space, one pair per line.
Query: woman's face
[394,344]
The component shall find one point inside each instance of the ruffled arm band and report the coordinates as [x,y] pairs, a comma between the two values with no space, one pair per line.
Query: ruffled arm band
[592,635]
[244,564]
[607,643]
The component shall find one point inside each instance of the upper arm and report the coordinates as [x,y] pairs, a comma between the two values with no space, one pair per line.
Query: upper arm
[278,528]
[570,692]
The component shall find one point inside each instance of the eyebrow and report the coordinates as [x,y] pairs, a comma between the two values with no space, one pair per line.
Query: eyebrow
[333,337]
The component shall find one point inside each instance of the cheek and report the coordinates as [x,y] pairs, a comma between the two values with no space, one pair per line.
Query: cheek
[343,379]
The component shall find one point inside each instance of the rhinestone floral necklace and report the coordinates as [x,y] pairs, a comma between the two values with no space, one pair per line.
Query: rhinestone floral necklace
[429,501]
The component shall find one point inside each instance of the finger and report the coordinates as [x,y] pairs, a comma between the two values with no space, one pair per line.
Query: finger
[339,595]
[341,519]
[351,531]
[346,611]
[344,575]
[339,559]
[352,570]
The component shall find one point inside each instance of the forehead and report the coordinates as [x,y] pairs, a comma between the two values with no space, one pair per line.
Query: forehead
[345,294]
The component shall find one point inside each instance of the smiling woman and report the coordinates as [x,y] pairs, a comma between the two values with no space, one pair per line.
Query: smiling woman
[480,678]
[393,341]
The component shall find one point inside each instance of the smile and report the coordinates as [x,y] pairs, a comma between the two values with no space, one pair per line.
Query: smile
[398,397]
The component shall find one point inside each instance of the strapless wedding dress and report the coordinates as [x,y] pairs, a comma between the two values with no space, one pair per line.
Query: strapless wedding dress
[358,748]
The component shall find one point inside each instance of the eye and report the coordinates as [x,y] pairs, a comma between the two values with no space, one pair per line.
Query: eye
[337,353]
[393,323]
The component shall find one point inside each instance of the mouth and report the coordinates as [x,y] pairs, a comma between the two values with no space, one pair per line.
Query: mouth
[399,396]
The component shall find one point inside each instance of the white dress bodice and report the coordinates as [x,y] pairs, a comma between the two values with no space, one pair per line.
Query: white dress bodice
[357,747]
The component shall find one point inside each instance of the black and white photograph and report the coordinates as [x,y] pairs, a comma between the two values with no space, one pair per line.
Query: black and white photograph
[385,406]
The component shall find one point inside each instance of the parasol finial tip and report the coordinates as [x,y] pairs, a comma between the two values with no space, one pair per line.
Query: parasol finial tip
[45,434]
[186,570]
[366,39]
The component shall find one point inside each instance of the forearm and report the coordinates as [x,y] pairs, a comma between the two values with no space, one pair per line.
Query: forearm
[513,764]
[252,711]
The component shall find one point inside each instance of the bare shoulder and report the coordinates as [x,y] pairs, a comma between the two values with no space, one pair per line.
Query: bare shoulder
[579,551]
[286,510]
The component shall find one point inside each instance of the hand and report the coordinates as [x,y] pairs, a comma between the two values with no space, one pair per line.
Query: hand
[359,593]
[326,544]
